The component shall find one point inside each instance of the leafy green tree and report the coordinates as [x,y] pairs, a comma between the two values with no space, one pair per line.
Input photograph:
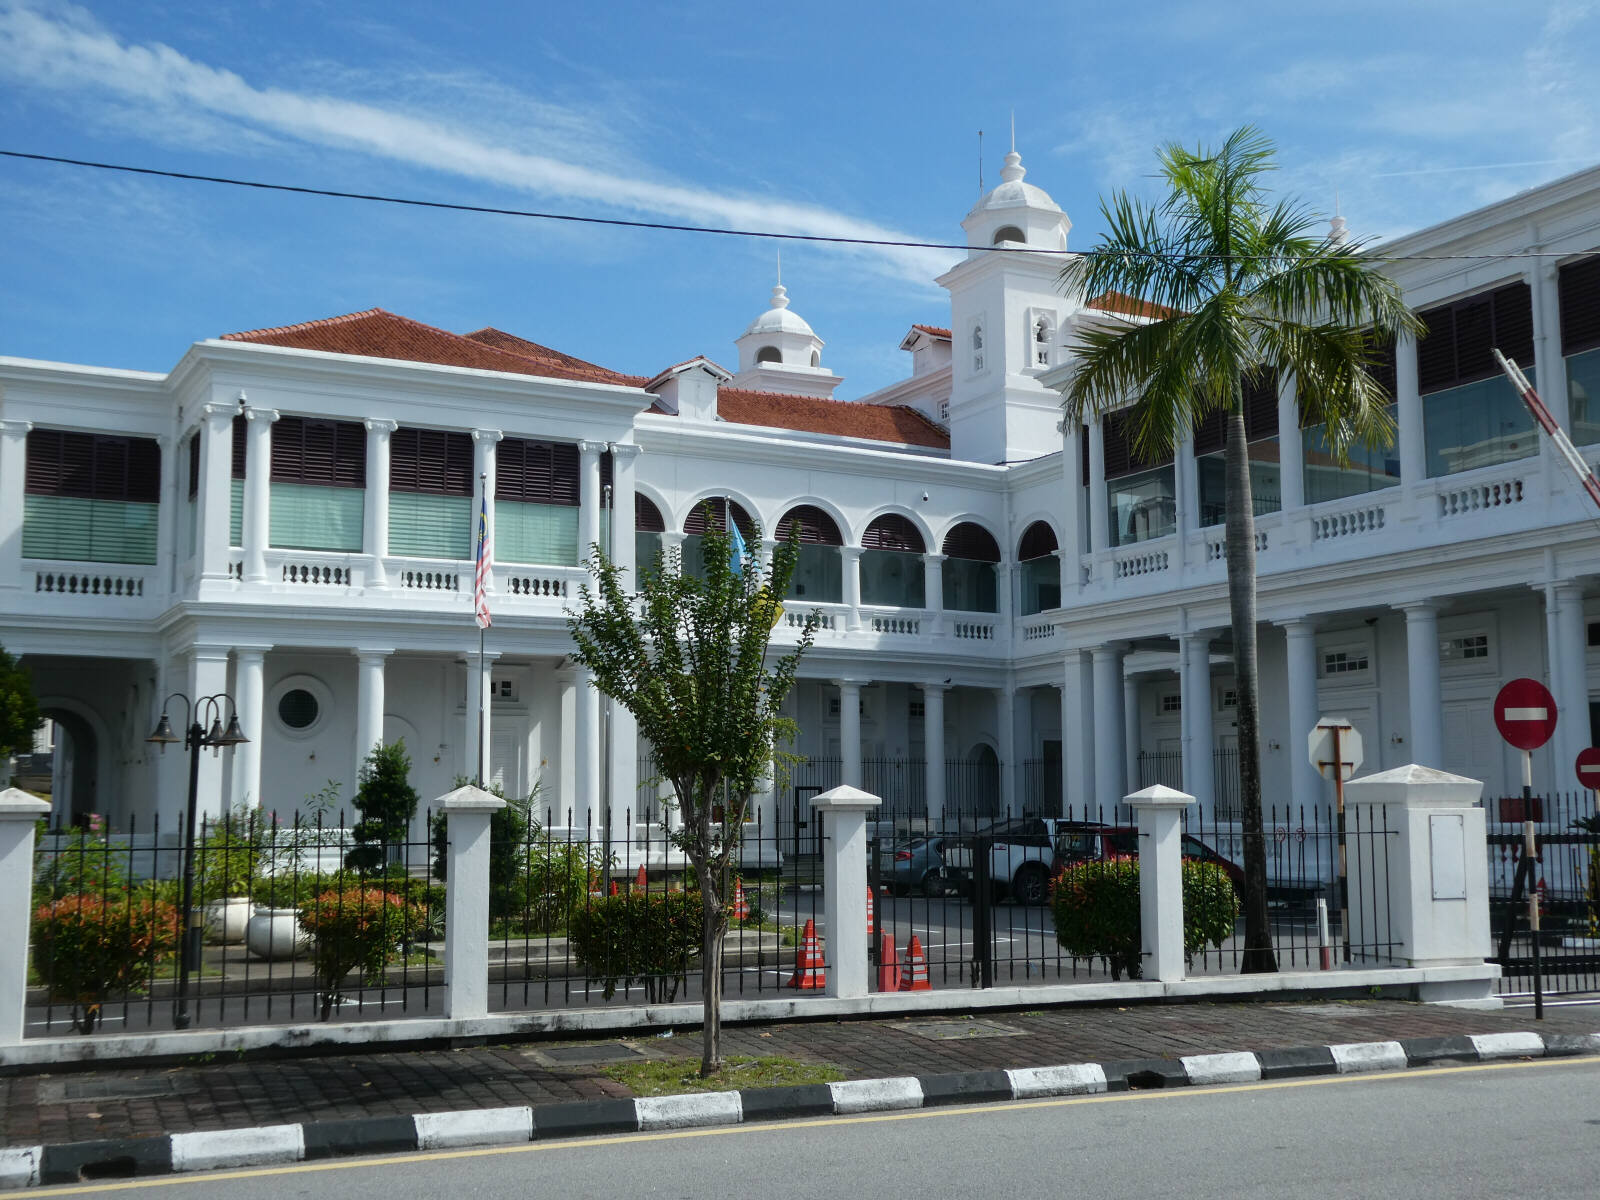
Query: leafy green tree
[386,801]
[1240,284]
[687,656]
[19,710]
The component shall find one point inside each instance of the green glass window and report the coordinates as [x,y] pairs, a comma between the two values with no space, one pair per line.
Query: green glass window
[1583,396]
[91,497]
[893,578]
[424,526]
[83,530]
[236,512]
[1142,506]
[1479,424]
[305,517]
[969,586]
[546,534]
[1367,470]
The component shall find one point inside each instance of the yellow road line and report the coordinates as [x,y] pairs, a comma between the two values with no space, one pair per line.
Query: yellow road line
[992,1108]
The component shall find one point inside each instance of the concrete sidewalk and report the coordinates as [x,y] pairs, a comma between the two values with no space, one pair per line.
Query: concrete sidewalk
[61,1106]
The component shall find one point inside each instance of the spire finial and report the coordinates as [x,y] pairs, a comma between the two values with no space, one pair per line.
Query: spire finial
[1013,131]
[1338,228]
[780,265]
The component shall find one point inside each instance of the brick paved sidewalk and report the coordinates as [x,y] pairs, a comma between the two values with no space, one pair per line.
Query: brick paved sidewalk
[65,1106]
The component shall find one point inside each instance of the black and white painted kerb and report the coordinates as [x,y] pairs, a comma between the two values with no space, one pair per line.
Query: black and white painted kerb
[266,1145]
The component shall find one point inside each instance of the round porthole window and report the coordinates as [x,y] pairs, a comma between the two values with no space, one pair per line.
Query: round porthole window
[298,709]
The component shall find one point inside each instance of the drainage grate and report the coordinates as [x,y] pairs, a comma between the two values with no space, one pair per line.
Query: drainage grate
[67,1091]
[959,1031]
[579,1056]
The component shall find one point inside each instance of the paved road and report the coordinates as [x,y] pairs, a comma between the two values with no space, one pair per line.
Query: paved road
[1512,1129]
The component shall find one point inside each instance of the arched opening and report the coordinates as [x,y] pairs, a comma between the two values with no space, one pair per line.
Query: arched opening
[74,768]
[648,527]
[1042,333]
[970,571]
[1041,569]
[972,784]
[819,575]
[891,563]
[712,512]
[816,358]
[769,354]
[977,346]
[1008,233]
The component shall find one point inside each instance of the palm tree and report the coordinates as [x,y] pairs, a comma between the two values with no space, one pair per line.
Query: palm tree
[1238,284]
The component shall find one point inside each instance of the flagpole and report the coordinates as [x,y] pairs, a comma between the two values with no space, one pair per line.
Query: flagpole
[480,615]
[482,702]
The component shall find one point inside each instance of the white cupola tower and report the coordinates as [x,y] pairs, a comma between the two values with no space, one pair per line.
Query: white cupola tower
[779,352]
[1007,312]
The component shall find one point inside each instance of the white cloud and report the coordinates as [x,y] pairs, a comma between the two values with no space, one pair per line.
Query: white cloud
[553,152]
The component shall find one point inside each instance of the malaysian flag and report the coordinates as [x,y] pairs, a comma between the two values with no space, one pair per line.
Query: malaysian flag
[480,581]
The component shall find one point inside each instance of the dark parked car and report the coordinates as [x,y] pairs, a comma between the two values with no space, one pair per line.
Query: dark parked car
[912,863]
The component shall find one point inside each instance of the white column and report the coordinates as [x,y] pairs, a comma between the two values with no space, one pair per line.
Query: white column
[1300,649]
[1110,783]
[566,798]
[1099,520]
[1199,738]
[1186,483]
[849,731]
[369,702]
[215,496]
[624,480]
[1571,682]
[1291,449]
[1422,683]
[169,513]
[1413,450]
[256,529]
[1005,592]
[20,812]
[375,537]
[843,812]
[1132,729]
[483,467]
[208,676]
[933,748]
[1072,549]
[1159,813]
[1077,735]
[1543,277]
[850,557]
[623,775]
[249,695]
[933,590]
[1005,733]
[477,744]
[586,805]
[588,497]
[466,920]
[13,474]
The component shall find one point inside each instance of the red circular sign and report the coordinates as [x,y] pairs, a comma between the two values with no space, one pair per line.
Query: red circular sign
[1525,713]
[1588,768]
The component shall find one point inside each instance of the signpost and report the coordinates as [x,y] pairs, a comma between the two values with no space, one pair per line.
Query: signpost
[1334,748]
[1525,715]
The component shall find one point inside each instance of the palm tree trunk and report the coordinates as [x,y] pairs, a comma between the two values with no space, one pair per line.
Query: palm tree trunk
[1240,547]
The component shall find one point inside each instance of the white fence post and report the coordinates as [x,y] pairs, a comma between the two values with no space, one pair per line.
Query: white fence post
[19,810]
[844,885]
[466,907]
[1159,812]
[1419,873]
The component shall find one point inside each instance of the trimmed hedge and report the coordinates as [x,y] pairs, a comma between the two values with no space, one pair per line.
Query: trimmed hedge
[645,938]
[1096,908]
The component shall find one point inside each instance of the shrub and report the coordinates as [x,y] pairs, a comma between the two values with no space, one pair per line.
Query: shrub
[387,802]
[1096,908]
[510,831]
[647,938]
[81,863]
[227,857]
[355,928]
[87,947]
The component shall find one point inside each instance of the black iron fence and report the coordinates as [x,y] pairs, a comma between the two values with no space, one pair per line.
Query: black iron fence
[1166,768]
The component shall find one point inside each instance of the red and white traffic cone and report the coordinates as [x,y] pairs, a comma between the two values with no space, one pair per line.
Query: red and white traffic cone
[741,907]
[641,880]
[888,967]
[914,978]
[808,968]
[871,913]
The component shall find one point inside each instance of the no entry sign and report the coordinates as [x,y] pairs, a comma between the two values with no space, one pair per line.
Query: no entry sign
[1588,767]
[1525,713]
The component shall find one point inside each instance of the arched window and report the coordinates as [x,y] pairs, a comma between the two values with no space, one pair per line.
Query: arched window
[1041,569]
[648,527]
[1008,233]
[816,358]
[769,354]
[712,512]
[977,346]
[819,575]
[970,555]
[891,563]
[1042,333]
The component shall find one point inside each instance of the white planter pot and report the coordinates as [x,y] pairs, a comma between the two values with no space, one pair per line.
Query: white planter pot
[275,933]
[226,919]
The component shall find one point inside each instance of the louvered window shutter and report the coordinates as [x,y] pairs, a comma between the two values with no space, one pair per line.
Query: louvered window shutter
[972,542]
[241,435]
[194,466]
[1260,395]
[811,526]
[1579,290]
[1038,540]
[1460,336]
[646,516]
[1118,460]
[893,532]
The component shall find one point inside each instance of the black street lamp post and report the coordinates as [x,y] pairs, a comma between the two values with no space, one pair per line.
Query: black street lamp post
[196,738]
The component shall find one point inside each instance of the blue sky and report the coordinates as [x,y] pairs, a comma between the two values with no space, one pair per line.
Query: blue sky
[854,119]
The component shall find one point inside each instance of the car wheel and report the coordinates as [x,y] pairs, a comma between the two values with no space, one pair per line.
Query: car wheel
[1031,886]
[932,884]
[900,889]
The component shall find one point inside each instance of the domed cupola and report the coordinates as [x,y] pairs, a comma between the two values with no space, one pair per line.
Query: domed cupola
[1016,213]
[779,352]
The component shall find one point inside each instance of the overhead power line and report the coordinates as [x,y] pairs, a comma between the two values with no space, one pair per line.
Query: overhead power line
[667,226]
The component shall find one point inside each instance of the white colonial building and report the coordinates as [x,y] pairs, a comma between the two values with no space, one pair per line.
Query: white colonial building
[1015,615]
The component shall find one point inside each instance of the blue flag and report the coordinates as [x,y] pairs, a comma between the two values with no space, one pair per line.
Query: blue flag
[737,552]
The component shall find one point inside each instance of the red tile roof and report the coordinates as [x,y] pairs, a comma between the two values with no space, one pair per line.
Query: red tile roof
[1129,306]
[935,330]
[502,340]
[875,422]
[376,333]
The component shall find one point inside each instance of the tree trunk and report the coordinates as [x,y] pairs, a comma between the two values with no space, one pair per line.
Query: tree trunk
[715,925]
[1240,546]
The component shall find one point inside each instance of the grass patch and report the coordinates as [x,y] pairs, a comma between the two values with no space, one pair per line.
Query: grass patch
[674,1076]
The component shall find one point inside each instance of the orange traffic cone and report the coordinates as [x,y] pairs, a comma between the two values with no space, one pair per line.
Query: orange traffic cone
[741,908]
[871,913]
[614,887]
[888,968]
[915,976]
[641,880]
[808,968]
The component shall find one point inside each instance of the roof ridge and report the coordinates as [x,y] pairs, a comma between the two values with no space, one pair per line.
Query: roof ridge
[319,323]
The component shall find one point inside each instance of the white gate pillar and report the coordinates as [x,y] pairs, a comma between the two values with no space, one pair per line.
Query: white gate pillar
[844,885]
[466,906]
[19,811]
[1159,813]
